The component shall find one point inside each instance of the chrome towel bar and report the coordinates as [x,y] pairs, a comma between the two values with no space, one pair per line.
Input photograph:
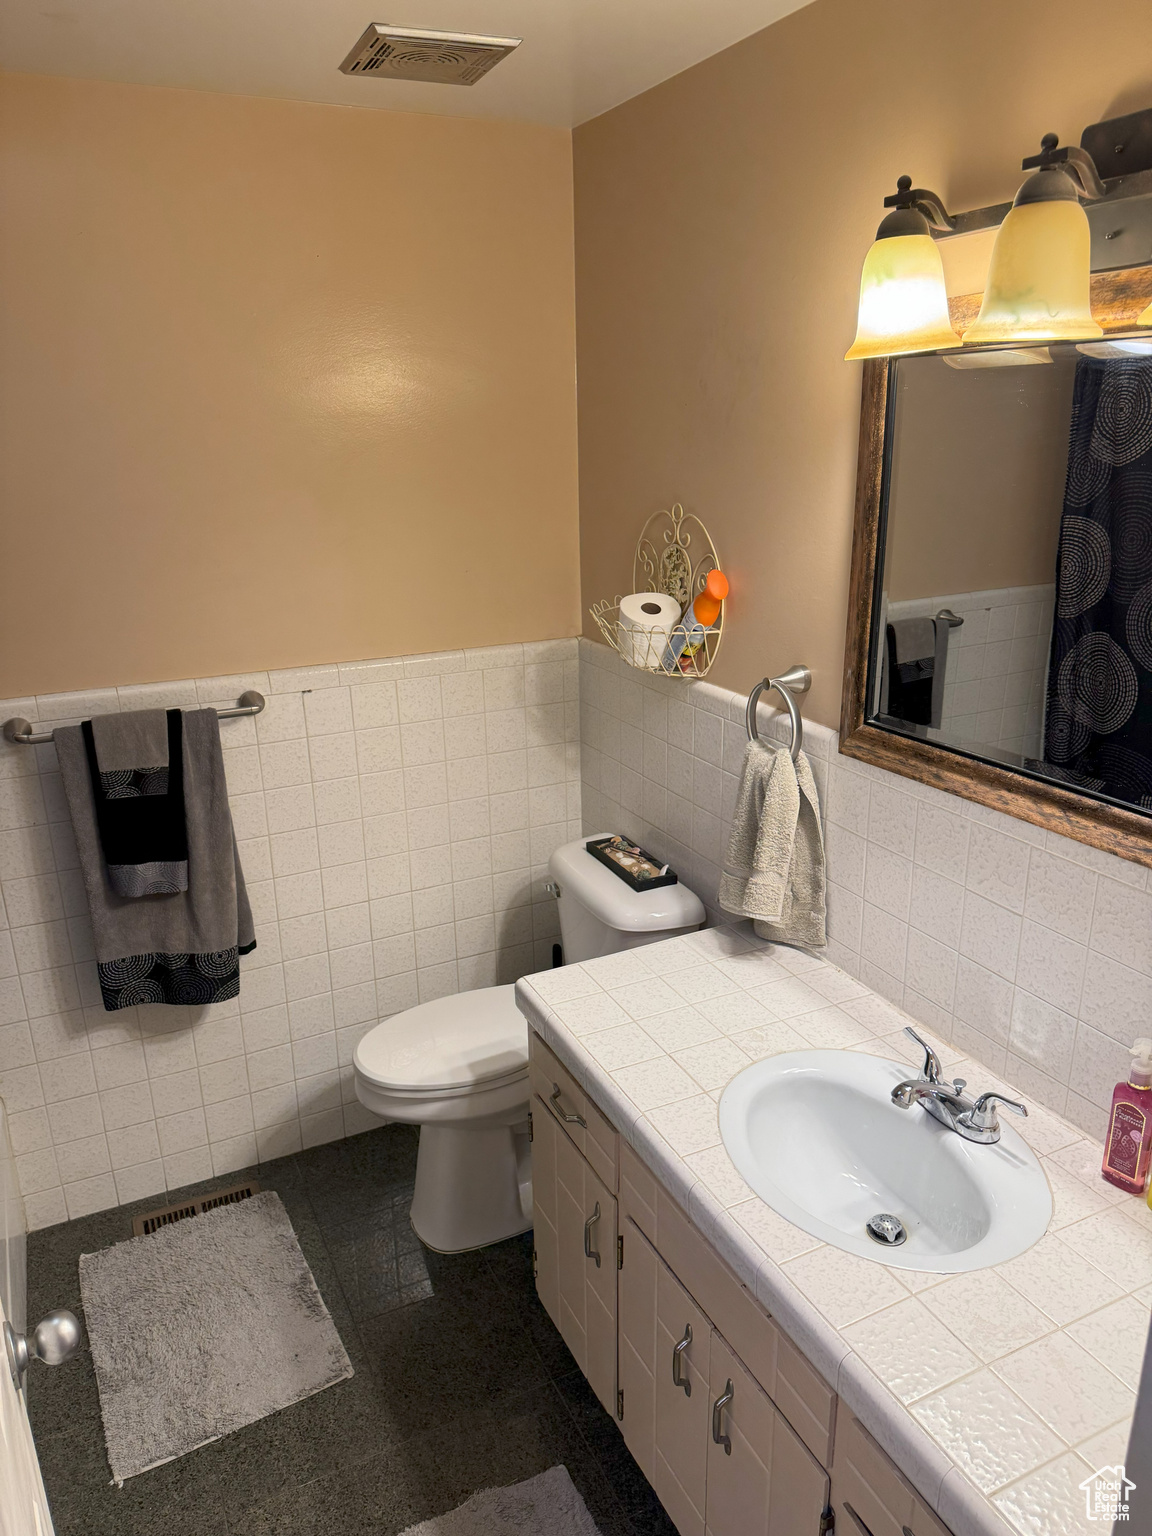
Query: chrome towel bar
[797,679]
[22,733]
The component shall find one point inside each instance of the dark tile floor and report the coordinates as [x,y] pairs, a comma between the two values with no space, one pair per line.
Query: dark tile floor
[461,1382]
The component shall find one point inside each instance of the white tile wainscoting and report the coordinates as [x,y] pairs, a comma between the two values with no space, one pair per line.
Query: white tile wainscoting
[395,820]
[1029,951]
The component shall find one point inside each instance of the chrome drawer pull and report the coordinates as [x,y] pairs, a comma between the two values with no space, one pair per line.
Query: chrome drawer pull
[589,1251]
[718,1408]
[677,1351]
[568,1119]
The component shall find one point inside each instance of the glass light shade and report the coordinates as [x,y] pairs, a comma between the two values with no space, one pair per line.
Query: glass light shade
[1038,279]
[903,305]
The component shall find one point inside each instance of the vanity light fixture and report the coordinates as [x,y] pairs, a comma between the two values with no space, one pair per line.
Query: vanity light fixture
[903,303]
[1087,209]
[1038,279]
[1042,260]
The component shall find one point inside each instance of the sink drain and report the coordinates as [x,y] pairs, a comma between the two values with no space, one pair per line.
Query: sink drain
[887,1230]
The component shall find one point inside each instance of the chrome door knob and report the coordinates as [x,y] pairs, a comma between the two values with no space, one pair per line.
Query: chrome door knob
[53,1339]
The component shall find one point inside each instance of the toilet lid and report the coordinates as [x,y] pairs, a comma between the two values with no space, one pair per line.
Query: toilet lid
[455,1042]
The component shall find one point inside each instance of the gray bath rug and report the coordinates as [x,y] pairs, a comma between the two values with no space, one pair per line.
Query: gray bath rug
[548,1505]
[203,1327]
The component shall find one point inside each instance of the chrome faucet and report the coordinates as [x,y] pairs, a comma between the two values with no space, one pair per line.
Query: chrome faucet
[975,1120]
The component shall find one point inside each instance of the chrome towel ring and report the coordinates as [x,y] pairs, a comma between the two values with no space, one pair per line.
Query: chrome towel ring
[797,679]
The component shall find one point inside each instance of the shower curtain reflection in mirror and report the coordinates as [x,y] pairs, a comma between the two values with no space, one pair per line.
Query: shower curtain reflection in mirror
[1098,716]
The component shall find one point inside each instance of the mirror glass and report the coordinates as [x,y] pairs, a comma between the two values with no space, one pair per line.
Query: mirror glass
[1012,612]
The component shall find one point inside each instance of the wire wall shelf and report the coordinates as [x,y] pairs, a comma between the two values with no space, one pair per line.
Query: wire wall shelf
[674,556]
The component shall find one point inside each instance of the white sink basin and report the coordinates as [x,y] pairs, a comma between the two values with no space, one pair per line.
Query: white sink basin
[816,1135]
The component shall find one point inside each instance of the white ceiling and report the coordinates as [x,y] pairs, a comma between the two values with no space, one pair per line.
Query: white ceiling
[578,57]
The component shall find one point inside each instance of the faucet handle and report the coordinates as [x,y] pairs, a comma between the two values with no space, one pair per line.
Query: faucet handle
[982,1115]
[983,1106]
[930,1071]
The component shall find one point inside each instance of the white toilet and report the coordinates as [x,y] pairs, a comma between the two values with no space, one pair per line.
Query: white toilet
[458,1067]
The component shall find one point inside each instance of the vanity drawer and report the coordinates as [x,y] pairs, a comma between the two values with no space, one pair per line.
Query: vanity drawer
[638,1192]
[869,1494]
[806,1400]
[594,1135]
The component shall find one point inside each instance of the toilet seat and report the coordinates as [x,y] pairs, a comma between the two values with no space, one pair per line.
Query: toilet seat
[452,1047]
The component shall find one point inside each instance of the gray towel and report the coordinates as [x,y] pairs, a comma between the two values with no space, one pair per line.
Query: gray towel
[774,869]
[180,948]
[133,741]
[915,639]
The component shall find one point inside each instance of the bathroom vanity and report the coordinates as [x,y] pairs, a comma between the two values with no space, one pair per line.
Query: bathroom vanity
[718,1335]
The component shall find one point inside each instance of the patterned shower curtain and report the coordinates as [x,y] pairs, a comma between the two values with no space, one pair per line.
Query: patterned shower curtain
[1098,726]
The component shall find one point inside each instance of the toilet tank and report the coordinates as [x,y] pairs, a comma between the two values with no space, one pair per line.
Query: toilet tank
[600,914]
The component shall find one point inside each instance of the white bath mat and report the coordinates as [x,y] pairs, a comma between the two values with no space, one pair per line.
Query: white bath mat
[548,1505]
[203,1327]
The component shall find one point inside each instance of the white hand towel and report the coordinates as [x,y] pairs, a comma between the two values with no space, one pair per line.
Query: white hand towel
[774,869]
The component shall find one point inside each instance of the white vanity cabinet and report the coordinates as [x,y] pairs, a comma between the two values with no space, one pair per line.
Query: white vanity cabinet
[732,1426]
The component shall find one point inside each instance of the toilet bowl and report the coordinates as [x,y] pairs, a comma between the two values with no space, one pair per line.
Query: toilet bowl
[458,1067]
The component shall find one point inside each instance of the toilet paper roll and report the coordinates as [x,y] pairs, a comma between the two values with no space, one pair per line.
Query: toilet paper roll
[644,626]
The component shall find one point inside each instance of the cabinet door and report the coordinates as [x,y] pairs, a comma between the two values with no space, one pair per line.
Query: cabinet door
[575,1222]
[762,1481]
[664,1353]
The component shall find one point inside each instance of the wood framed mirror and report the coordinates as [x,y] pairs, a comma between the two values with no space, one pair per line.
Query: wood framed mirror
[1024,493]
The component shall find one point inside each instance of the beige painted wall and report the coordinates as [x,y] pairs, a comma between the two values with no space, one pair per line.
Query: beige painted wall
[721,221]
[978,466]
[279,384]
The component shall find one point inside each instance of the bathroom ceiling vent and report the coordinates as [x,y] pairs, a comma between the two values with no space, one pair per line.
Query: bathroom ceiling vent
[440,58]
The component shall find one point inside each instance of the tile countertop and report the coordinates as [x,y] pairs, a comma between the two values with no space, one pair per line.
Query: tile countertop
[996,1392]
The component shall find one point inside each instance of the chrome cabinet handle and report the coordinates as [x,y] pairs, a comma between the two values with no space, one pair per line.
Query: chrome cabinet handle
[860,1526]
[718,1408]
[589,1251]
[677,1379]
[568,1119]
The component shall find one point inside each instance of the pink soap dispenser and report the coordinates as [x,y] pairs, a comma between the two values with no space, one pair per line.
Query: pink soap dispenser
[1128,1146]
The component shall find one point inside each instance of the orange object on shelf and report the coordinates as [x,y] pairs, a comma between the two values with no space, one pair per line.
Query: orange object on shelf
[688,636]
[706,608]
